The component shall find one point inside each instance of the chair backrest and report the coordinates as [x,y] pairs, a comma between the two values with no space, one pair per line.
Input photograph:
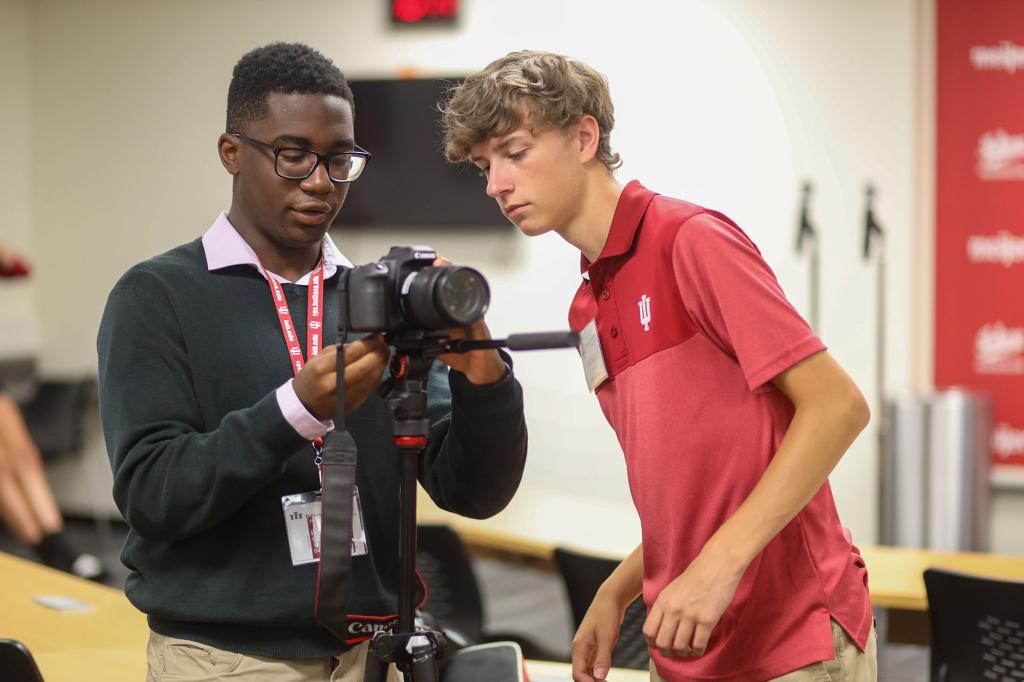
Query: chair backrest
[17,663]
[453,594]
[54,416]
[583,574]
[494,662]
[977,627]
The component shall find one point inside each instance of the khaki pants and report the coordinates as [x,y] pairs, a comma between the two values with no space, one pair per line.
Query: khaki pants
[849,665]
[179,660]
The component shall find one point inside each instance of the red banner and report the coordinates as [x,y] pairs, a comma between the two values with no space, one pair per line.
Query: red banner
[979,267]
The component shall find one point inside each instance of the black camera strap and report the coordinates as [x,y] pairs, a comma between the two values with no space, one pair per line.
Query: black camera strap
[339,478]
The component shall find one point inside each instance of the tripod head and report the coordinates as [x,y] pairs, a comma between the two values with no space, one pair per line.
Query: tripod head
[415,352]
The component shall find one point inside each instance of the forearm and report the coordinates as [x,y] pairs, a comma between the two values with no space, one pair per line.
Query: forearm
[817,438]
[177,470]
[626,582]
[171,482]
[475,469]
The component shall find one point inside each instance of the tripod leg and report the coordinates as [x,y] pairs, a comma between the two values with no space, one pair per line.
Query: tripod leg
[424,668]
[376,669]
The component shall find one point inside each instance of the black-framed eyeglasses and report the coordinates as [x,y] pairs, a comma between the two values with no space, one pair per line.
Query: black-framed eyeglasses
[295,163]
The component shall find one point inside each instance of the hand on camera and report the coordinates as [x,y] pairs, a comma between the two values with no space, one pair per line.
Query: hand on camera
[316,385]
[480,366]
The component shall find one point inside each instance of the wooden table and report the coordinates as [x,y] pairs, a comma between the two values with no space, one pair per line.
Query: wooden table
[896,574]
[535,523]
[896,582]
[109,642]
[547,671]
[106,643]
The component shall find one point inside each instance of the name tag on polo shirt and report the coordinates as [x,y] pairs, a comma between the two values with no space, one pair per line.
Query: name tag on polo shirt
[593,358]
[302,522]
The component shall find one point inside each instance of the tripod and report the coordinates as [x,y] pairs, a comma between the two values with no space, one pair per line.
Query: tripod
[415,652]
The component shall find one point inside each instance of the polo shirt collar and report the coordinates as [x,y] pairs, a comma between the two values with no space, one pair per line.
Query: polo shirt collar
[629,213]
[224,247]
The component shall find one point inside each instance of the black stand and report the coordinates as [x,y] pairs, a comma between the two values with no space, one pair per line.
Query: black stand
[413,651]
[874,248]
[807,234]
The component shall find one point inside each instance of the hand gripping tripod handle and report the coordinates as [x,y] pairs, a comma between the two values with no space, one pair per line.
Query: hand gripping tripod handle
[529,341]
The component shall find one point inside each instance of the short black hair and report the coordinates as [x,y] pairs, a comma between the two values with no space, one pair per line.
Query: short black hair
[280,68]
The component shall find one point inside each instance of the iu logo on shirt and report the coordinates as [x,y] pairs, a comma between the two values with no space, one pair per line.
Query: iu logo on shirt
[645,312]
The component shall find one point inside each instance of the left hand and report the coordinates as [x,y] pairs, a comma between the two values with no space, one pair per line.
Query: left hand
[688,609]
[479,366]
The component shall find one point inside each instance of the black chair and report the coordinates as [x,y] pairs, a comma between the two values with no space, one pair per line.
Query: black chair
[977,627]
[583,574]
[17,663]
[54,416]
[493,662]
[453,601]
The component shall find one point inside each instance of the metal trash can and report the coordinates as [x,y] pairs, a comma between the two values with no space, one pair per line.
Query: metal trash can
[904,472]
[935,469]
[959,463]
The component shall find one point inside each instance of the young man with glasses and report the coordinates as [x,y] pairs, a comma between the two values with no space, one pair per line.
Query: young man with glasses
[215,397]
[730,412]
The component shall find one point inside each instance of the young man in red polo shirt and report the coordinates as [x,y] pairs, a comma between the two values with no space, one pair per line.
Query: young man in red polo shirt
[729,410]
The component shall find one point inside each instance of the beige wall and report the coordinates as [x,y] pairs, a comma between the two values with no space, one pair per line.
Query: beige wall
[730,103]
[18,333]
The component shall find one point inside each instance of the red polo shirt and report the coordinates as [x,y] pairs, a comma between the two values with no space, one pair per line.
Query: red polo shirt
[693,327]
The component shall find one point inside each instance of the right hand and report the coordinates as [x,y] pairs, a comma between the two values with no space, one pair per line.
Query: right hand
[316,384]
[595,638]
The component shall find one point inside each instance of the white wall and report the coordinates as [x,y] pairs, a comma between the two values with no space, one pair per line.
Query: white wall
[729,103]
[18,332]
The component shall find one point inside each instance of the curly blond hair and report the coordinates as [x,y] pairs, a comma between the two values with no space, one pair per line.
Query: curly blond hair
[553,90]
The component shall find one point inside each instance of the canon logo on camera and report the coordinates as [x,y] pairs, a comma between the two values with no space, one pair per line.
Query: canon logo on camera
[361,628]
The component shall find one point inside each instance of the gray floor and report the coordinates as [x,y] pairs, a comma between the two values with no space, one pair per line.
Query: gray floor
[517,599]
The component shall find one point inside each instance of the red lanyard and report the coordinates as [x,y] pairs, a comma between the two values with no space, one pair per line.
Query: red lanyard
[314,321]
[314,315]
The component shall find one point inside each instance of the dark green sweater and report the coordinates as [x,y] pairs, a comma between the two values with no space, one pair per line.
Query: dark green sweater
[189,361]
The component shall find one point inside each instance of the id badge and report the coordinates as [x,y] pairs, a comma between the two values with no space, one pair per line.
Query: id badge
[593,359]
[303,525]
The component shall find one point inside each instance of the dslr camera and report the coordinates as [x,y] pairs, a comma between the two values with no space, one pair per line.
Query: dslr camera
[404,294]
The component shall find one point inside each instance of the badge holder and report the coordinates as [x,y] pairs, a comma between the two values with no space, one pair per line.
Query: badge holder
[415,651]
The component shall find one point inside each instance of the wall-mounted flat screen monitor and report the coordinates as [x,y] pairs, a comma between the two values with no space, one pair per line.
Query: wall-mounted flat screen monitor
[408,183]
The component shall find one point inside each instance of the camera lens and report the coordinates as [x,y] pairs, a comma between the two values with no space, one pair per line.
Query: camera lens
[447,296]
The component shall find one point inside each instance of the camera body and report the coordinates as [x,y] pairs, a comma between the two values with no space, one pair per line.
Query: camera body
[405,292]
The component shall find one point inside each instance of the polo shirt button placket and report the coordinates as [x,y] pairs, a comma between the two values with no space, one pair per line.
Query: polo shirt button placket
[606,294]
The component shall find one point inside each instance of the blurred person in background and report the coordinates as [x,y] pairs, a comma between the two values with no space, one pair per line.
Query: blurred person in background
[27,505]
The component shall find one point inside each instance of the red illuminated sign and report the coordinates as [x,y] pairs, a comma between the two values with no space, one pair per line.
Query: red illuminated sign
[424,11]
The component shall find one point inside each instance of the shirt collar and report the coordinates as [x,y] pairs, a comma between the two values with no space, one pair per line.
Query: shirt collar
[224,247]
[629,213]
